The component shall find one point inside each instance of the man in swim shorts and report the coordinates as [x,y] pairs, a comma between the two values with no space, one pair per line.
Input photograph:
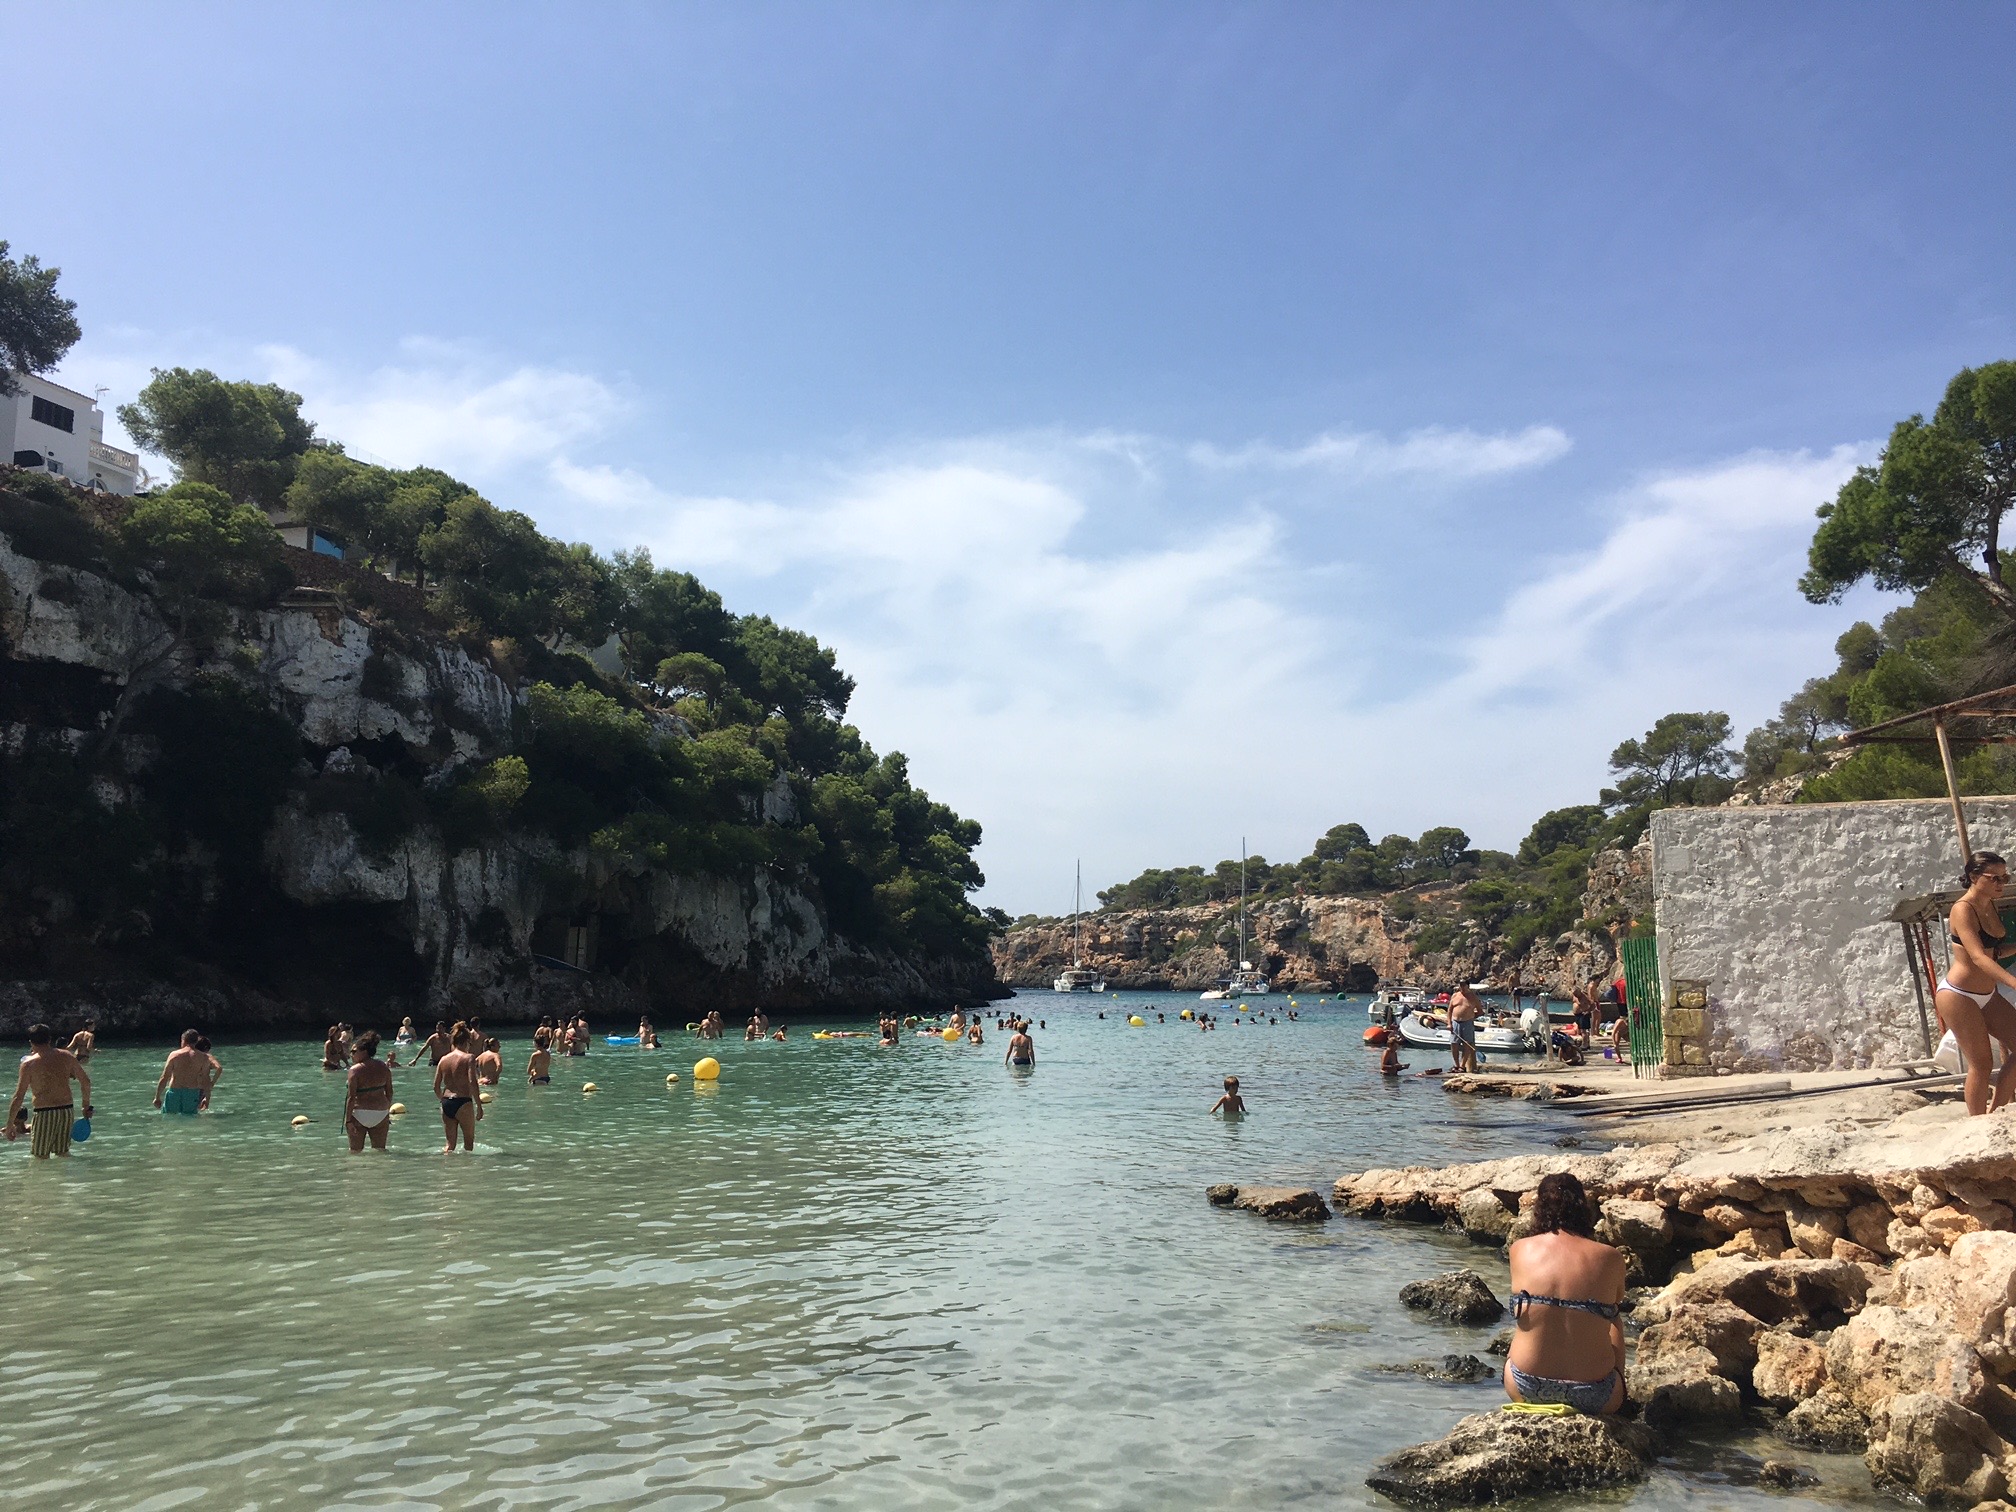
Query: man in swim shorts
[48,1072]
[185,1077]
[439,1043]
[539,1066]
[455,1085]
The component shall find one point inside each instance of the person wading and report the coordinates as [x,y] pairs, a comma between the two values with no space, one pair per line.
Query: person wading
[48,1072]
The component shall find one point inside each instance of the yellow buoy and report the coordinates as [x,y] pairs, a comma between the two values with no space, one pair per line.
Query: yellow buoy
[397,1109]
[950,1036]
[706,1068]
[488,1097]
[1185,1015]
[672,1078]
[588,1087]
[1136,1020]
[300,1119]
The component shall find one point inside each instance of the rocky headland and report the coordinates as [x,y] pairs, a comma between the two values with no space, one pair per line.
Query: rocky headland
[1319,943]
[294,816]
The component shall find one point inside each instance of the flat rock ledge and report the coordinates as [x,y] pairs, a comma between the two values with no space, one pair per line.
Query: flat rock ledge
[1460,1297]
[1494,1457]
[1287,1204]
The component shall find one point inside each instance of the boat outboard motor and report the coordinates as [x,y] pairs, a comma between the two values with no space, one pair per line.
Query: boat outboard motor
[1533,1023]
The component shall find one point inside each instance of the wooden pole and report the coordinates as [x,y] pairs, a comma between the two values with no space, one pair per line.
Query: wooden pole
[1953,790]
[1918,986]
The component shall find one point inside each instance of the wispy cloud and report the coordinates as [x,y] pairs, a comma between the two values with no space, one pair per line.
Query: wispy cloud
[1433,452]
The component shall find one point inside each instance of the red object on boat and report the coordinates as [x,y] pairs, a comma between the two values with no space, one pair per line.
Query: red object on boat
[1378,1034]
[1441,1000]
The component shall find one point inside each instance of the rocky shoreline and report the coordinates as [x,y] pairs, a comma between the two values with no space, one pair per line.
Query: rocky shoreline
[1846,1278]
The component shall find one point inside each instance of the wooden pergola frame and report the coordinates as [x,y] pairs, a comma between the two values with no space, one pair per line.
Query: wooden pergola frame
[1998,704]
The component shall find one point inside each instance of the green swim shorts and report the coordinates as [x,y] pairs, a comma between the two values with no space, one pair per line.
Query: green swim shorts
[183,1100]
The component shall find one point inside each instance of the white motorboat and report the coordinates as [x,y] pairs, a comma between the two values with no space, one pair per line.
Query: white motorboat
[1398,1001]
[1078,977]
[1494,1035]
[1246,981]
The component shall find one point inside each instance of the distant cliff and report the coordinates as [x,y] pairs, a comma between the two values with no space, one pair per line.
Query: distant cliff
[1327,944]
[319,805]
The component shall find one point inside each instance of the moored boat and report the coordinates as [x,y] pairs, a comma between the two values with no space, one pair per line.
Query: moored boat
[1498,1037]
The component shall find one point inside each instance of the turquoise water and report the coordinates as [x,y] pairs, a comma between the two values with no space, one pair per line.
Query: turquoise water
[845,1277]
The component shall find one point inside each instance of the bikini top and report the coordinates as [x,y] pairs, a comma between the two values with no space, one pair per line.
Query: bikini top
[1521,1300]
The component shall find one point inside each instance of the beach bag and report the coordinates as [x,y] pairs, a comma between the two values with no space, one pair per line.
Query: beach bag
[1947,1056]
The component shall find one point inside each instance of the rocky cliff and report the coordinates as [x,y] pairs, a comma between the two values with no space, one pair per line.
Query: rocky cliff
[289,862]
[1327,944]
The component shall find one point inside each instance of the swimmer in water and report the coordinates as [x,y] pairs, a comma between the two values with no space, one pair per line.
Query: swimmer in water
[455,1085]
[215,1072]
[406,1034]
[333,1054]
[367,1096]
[1390,1063]
[1232,1105]
[490,1063]
[539,1068]
[752,1032]
[1021,1050]
[84,1043]
[439,1043]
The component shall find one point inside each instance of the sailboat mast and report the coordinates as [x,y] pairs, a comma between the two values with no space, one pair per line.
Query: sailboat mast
[1242,902]
[1077,909]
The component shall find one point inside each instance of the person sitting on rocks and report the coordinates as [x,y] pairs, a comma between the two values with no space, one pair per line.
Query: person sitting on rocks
[1567,1292]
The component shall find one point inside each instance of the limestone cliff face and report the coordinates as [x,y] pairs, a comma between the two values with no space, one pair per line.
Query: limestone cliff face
[1314,944]
[342,927]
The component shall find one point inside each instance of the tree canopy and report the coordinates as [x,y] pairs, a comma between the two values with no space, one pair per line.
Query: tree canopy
[1933,504]
[1684,758]
[37,325]
[245,438]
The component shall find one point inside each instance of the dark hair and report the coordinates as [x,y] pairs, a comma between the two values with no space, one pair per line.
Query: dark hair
[203,1043]
[1562,1207]
[190,1036]
[40,1034]
[367,1044]
[1978,863]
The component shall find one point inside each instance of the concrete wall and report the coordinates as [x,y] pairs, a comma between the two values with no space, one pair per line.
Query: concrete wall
[1784,911]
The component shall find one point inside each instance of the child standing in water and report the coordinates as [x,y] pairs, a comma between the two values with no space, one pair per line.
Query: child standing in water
[1232,1105]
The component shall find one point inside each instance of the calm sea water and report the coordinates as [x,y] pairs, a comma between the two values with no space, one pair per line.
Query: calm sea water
[843,1277]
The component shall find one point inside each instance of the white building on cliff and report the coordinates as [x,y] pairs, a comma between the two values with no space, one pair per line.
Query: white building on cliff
[57,430]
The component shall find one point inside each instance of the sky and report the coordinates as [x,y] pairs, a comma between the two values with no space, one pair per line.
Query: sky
[1189,423]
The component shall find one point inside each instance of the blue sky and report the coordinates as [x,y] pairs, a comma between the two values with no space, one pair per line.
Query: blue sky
[1187,421]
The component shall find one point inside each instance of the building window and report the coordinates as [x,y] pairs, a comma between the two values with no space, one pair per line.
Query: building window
[64,419]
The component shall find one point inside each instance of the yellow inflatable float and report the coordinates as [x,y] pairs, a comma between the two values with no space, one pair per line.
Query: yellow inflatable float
[672,1078]
[300,1119]
[706,1069]
[950,1036]
[590,1087]
[397,1109]
[1186,1015]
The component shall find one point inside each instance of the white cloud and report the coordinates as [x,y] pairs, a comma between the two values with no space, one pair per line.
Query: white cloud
[1434,452]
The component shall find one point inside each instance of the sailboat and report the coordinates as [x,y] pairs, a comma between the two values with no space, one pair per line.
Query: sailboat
[1245,982]
[1077,978]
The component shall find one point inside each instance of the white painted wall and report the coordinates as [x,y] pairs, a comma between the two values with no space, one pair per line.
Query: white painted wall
[1784,911]
[80,452]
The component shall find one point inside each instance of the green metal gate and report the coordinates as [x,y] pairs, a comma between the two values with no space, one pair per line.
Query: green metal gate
[1641,995]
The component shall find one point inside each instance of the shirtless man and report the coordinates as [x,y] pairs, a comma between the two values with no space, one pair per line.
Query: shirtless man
[48,1072]
[490,1063]
[185,1078]
[84,1043]
[455,1085]
[754,1031]
[214,1070]
[438,1043]
[539,1068]
[1464,1006]
[1021,1050]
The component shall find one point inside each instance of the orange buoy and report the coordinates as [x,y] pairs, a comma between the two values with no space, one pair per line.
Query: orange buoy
[1378,1034]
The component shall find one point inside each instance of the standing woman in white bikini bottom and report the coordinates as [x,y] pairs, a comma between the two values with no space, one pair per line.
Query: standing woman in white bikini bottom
[367,1099]
[1971,998]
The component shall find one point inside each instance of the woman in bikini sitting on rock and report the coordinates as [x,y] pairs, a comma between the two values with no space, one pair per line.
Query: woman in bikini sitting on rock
[1567,1290]
[1974,995]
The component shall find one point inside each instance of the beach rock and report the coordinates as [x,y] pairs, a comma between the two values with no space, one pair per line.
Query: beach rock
[1222,1195]
[1460,1297]
[1906,1238]
[1501,1343]
[1756,1243]
[1789,1369]
[1983,1273]
[1814,1229]
[1643,1229]
[1726,1332]
[1288,1204]
[1883,1352]
[1828,1421]
[1499,1456]
[1855,1254]
[1794,1289]
[1947,1224]
[1778,1475]
[1869,1226]
[1484,1216]
[1936,1449]
[1680,1384]
[1461,1369]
